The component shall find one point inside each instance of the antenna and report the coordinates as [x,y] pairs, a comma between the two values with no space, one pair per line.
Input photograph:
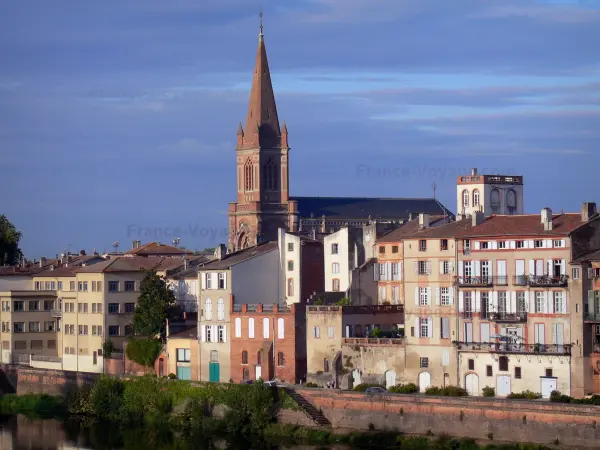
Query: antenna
[176,241]
[434,186]
[116,246]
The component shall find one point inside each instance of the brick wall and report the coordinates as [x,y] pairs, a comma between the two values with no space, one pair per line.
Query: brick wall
[53,382]
[510,420]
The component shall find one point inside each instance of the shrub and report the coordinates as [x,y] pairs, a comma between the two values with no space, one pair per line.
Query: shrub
[489,391]
[33,405]
[448,391]
[143,351]
[312,385]
[557,397]
[409,388]
[107,397]
[172,376]
[363,386]
[525,395]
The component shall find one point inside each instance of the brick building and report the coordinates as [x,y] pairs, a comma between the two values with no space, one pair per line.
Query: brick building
[268,342]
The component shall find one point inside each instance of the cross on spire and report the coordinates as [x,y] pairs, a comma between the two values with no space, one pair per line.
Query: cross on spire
[261,24]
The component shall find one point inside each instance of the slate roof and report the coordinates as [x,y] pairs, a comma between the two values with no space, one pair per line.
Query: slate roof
[240,256]
[360,208]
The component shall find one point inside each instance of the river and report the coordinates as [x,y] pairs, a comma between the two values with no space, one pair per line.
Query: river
[20,433]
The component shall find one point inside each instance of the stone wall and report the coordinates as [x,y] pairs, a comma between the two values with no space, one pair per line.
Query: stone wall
[480,418]
[26,380]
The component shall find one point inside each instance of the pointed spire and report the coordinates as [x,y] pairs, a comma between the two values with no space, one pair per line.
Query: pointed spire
[284,128]
[262,109]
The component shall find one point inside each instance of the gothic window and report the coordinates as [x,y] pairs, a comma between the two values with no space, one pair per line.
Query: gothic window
[511,200]
[495,200]
[270,175]
[465,196]
[476,197]
[248,176]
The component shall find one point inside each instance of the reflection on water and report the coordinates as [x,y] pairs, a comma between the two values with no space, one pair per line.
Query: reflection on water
[20,433]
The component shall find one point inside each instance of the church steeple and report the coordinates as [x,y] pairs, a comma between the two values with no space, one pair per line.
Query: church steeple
[262,111]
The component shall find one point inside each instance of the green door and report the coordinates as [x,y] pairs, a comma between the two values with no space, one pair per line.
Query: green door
[184,373]
[213,372]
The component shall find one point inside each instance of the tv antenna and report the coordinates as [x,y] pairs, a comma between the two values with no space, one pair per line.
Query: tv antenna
[116,246]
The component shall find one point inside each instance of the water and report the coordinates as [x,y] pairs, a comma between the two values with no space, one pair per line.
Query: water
[20,433]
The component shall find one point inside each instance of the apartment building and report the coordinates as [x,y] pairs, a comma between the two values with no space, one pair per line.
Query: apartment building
[244,277]
[520,315]
[184,285]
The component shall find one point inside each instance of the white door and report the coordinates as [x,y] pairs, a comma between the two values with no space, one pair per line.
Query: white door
[355,377]
[424,381]
[390,379]
[502,385]
[258,372]
[472,384]
[548,385]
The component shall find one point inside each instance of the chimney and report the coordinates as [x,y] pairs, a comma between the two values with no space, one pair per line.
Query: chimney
[42,261]
[546,219]
[185,263]
[588,210]
[220,251]
[410,216]
[95,252]
[133,245]
[477,218]
[474,172]
[423,220]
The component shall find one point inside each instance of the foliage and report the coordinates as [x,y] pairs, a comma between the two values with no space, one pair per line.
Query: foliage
[153,305]
[448,391]
[528,395]
[344,301]
[312,385]
[79,401]
[489,391]
[172,376]
[319,302]
[364,386]
[107,397]
[41,406]
[143,351]
[375,332]
[557,397]
[108,348]
[409,388]
[10,253]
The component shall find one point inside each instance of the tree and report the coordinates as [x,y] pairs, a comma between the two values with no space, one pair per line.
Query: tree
[10,253]
[143,351]
[154,303]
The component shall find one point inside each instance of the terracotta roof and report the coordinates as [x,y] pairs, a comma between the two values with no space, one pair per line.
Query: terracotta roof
[157,249]
[58,272]
[591,256]
[17,271]
[130,264]
[242,255]
[525,225]
[438,227]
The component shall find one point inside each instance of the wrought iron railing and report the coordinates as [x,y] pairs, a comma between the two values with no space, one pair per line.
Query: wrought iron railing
[509,347]
[541,280]
[503,316]
[374,341]
[592,316]
[474,281]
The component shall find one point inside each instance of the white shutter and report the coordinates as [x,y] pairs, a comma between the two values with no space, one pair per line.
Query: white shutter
[591,303]
[203,278]
[495,301]
[513,302]
[531,267]
[213,334]
[376,271]
[563,243]
[451,266]
[428,267]
[477,268]
[563,267]
[477,306]
[476,245]
[512,244]
[428,296]
[485,332]
[416,267]
[417,296]
[417,328]
[437,296]
[550,302]
[388,271]
[548,243]
[400,270]
[430,327]
[202,333]
[224,333]
[494,245]
[441,267]
[530,244]
[238,327]
[549,267]
[225,280]
[461,301]
[530,298]
[451,294]
[460,269]
[445,358]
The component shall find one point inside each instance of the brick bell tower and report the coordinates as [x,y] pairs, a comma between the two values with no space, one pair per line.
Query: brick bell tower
[263,203]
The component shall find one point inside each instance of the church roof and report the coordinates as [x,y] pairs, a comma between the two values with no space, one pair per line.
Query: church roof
[350,208]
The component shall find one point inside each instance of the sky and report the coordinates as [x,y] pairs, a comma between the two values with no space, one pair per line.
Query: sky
[118,119]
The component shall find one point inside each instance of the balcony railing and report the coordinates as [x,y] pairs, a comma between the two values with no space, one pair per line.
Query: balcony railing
[596,348]
[374,341]
[44,358]
[503,316]
[56,313]
[466,314]
[545,349]
[474,281]
[541,280]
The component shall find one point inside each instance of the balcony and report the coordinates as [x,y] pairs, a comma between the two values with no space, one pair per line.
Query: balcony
[56,313]
[474,281]
[591,316]
[466,314]
[596,347]
[529,349]
[373,341]
[541,280]
[503,316]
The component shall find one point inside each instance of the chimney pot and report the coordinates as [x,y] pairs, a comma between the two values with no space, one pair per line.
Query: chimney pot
[220,251]
[477,218]
[588,210]
[474,171]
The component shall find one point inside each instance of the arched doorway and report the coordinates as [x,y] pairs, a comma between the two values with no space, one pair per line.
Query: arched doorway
[424,381]
[472,384]
[390,379]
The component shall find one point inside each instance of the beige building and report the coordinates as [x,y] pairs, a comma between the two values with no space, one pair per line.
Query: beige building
[520,313]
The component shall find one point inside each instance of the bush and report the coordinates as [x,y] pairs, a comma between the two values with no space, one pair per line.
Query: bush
[42,406]
[312,385]
[172,376]
[557,397]
[448,391]
[363,386]
[143,351]
[489,391]
[107,398]
[409,388]
[525,395]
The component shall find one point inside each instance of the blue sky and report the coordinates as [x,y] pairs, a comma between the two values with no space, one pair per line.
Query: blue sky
[118,119]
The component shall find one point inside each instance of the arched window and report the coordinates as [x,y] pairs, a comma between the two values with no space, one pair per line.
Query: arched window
[244,357]
[280,328]
[336,284]
[220,309]
[335,268]
[238,327]
[511,201]
[495,200]
[266,326]
[465,199]
[325,365]
[208,309]
[476,197]
[251,328]
[280,359]
[259,358]
[270,175]
[248,176]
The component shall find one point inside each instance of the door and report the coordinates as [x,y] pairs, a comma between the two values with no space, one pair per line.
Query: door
[161,367]
[446,380]
[355,377]
[548,385]
[214,374]
[503,385]
[184,373]
[424,381]
[390,379]
[472,384]
[520,271]
[258,372]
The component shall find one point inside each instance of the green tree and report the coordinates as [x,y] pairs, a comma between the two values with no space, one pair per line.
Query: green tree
[143,351]
[10,253]
[154,303]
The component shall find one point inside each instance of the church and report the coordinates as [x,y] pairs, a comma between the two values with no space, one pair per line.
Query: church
[264,203]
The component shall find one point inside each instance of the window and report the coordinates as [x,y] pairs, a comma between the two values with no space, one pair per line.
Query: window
[113,330]
[290,287]
[424,326]
[248,176]
[280,359]
[129,308]
[290,266]
[476,197]
[383,293]
[208,333]
[316,332]
[47,288]
[130,286]
[270,175]
[422,245]
[183,355]
[71,285]
[244,357]
[221,280]
[576,273]
[266,328]
[34,327]
[113,286]
[127,329]
[18,306]
[558,243]
[445,296]
[518,373]
[540,302]
[503,363]
[53,285]
[396,294]
[489,371]
[335,268]
[259,358]
[208,278]
[208,309]
[424,362]
[336,284]
[334,249]
[471,364]
[423,267]
[290,246]
[246,373]
[34,305]
[220,309]
[394,249]
[548,372]
[465,199]
[521,304]
[445,327]
[280,328]
[37,285]
[444,244]
[501,245]
[539,244]
[423,297]
[220,333]
[48,305]
[520,244]
[214,356]
[113,308]
[238,327]
[382,249]
[484,245]
[445,267]
[19,327]
[502,306]
[559,304]
[330,332]
[495,200]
